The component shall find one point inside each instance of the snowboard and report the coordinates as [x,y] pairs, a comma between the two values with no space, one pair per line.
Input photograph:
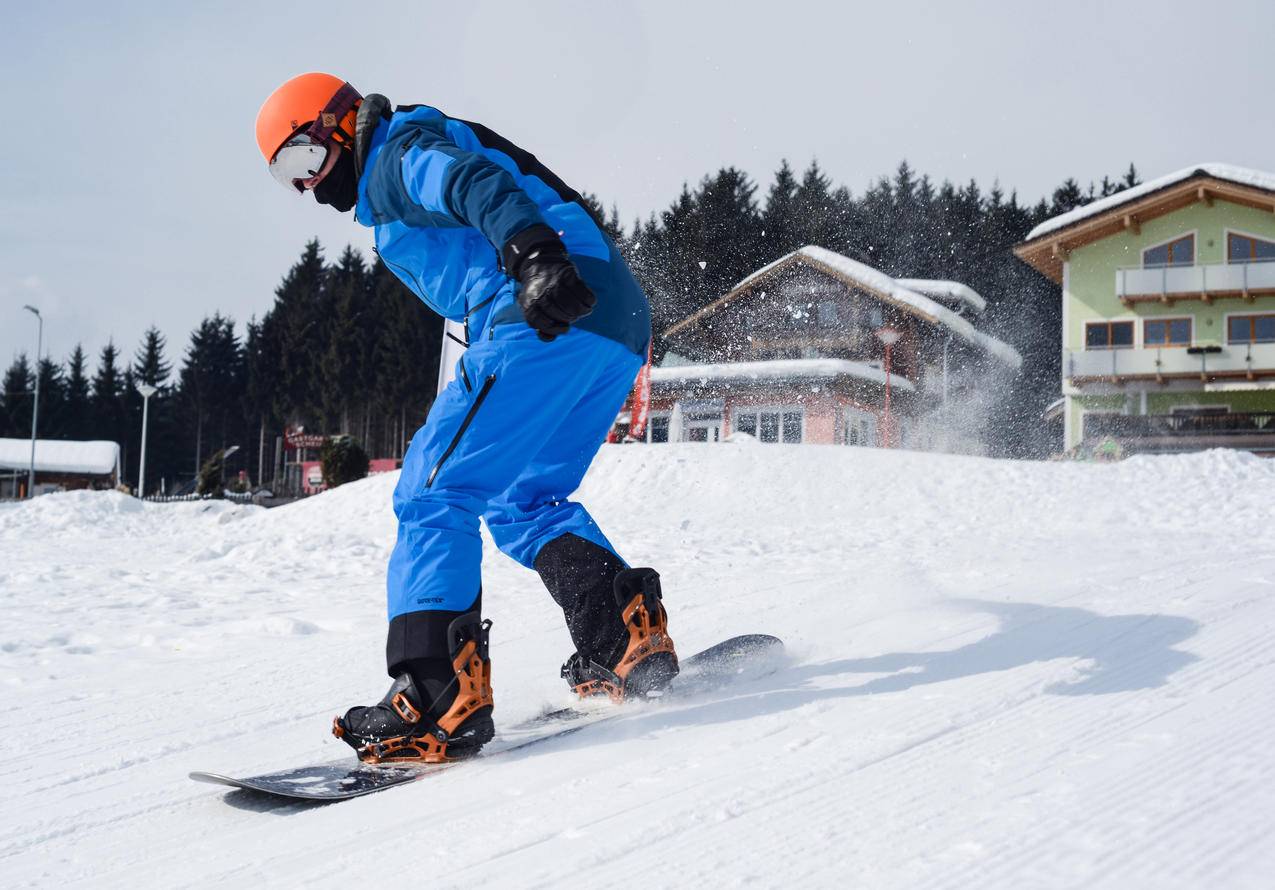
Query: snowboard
[746,657]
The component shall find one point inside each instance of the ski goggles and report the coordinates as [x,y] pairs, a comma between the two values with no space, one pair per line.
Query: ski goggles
[299,159]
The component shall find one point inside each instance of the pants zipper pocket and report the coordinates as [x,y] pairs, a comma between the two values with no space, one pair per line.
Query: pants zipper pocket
[464,425]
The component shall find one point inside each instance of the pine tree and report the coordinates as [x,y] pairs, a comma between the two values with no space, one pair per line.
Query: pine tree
[407,345]
[212,385]
[299,314]
[344,367]
[149,365]
[108,397]
[163,435]
[261,367]
[52,400]
[1067,197]
[19,386]
[815,211]
[79,410]
[779,230]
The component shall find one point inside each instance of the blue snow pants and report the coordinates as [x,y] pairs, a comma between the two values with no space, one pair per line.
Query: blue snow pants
[508,440]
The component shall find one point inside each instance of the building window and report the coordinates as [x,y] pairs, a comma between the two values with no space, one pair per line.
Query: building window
[1166,332]
[1250,329]
[1108,334]
[1180,252]
[828,315]
[657,428]
[860,428]
[1247,249]
[770,424]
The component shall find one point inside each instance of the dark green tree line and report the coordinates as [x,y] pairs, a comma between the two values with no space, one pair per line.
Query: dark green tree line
[344,349]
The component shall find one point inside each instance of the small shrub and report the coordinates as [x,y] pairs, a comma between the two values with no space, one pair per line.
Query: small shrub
[343,460]
[210,482]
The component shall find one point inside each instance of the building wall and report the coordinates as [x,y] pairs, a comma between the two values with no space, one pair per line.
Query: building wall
[1092,270]
[1240,401]
[822,411]
[1078,406]
[1090,295]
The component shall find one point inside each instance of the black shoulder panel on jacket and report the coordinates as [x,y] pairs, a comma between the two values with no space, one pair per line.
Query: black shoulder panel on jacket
[529,165]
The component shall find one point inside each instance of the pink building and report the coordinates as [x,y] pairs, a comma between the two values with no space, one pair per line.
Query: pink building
[796,352]
[312,472]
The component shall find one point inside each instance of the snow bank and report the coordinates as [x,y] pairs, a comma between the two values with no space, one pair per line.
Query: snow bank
[1004,674]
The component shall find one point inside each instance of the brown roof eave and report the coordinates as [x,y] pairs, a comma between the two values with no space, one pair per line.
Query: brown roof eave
[1046,253]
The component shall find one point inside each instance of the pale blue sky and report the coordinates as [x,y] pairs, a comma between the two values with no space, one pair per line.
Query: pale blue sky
[133,192]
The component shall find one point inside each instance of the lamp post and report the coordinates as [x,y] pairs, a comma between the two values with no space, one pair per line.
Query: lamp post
[35,409]
[147,391]
[888,336]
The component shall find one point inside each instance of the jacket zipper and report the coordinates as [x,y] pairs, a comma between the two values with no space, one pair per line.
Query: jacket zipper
[474,309]
[464,425]
[464,375]
[406,272]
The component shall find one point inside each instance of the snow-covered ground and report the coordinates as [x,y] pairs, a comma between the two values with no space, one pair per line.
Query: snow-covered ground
[1003,675]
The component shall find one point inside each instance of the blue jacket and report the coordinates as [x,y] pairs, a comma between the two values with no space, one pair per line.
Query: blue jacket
[446,195]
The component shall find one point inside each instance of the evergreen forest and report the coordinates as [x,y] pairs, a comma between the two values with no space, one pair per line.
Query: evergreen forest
[346,348]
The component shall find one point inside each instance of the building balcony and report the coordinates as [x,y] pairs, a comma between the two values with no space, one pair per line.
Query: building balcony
[1168,284]
[1150,434]
[1205,363]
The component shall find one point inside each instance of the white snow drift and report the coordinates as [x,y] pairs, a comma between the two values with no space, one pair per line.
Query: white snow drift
[1003,675]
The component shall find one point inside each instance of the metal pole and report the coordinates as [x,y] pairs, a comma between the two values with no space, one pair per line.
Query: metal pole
[35,409]
[889,431]
[146,391]
[946,344]
[141,473]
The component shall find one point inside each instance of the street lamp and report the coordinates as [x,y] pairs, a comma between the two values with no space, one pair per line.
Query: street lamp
[35,410]
[888,336]
[147,391]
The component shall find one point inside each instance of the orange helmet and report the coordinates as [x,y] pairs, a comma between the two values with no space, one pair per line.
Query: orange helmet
[320,105]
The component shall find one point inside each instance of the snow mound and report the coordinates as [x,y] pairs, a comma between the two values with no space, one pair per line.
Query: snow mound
[1004,674]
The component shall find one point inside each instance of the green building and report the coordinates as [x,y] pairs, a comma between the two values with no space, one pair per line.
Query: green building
[1168,315]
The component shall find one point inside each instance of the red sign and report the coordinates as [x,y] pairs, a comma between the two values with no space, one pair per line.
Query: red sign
[641,400]
[294,438]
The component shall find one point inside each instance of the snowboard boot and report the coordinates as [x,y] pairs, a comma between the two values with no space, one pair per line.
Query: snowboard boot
[425,718]
[645,662]
[614,616]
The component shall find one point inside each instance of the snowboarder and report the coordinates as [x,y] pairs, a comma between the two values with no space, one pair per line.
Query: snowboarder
[557,329]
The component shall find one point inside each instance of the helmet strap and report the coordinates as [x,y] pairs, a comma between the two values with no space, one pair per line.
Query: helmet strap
[337,117]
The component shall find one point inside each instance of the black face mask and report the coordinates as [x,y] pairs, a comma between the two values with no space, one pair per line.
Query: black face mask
[340,188]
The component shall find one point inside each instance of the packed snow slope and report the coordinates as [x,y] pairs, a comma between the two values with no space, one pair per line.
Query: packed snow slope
[1002,675]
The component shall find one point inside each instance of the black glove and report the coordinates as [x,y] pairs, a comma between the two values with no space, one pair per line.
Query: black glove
[553,295]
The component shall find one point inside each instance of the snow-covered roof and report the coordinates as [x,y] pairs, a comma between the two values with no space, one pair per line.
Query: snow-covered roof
[863,275]
[1227,172]
[55,456]
[779,369]
[947,291]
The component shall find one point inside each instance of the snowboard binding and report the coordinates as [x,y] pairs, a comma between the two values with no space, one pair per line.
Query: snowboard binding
[401,729]
[649,661]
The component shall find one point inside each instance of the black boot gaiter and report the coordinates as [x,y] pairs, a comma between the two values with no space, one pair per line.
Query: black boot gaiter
[340,188]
